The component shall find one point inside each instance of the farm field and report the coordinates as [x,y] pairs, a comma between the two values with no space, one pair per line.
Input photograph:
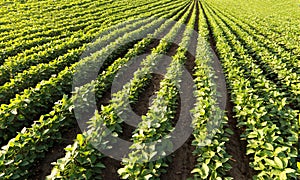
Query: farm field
[150,89]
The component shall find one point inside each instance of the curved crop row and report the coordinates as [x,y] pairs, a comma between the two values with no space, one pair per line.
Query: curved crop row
[269,125]
[65,166]
[157,123]
[45,132]
[11,67]
[208,118]
[35,74]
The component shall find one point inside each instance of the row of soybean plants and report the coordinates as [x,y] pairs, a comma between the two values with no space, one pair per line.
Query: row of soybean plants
[290,101]
[76,156]
[52,50]
[34,101]
[79,21]
[279,64]
[209,121]
[43,71]
[44,22]
[270,127]
[13,44]
[157,123]
[282,32]
[31,144]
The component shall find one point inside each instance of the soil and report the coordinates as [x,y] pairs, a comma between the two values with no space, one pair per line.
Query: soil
[104,100]
[183,162]
[111,168]
[142,105]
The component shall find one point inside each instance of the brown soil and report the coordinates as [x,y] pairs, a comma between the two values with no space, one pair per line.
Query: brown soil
[140,108]
[183,162]
[105,99]
[190,64]
[111,168]
[154,44]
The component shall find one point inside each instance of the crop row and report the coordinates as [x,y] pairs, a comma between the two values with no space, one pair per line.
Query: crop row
[42,71]
[150,138]
[38,100]
[209,122]
[270,127]
[55,122]
[276,65]
[108,114]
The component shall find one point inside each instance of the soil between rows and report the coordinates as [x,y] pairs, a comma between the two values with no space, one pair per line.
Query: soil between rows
[140,108]
[183,159]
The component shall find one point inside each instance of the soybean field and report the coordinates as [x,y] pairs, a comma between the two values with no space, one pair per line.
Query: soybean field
[150,89]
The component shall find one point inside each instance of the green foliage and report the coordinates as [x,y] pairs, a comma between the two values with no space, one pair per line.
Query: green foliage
[260,105]
[208,119]
[40,46]
[157,123]
[32,143]
[109,113]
